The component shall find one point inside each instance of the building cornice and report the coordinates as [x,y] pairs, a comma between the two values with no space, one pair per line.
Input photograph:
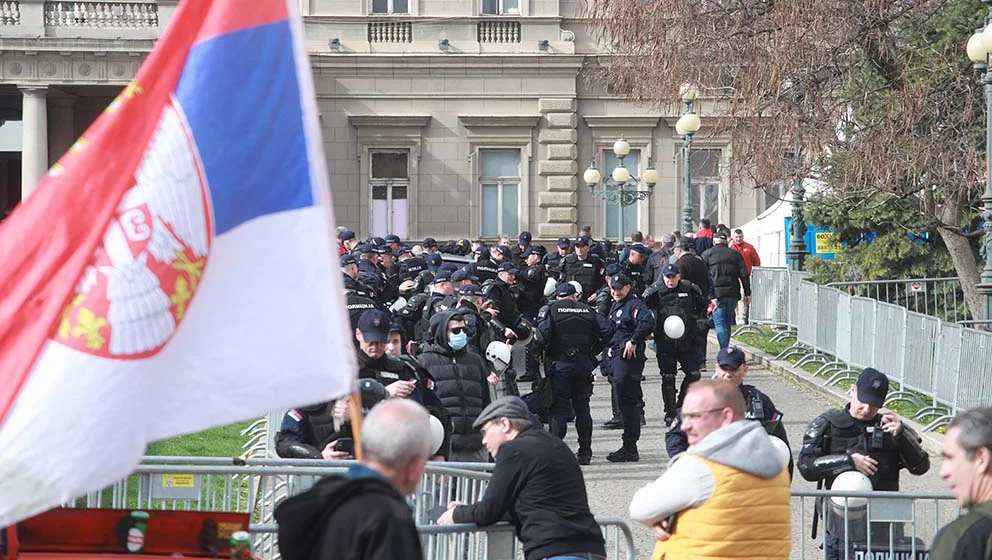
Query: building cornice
[451,64]
[622,121]
[499,121]
[392,121]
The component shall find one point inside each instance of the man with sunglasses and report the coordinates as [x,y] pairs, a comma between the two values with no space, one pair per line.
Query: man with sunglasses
[731,470]
[537,483]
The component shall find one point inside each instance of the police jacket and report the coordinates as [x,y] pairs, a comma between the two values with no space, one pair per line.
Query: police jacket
[533,280]
[357,305]
[305,431]
[552,263]
[691,268]
[412,267]
[588,273]
[416,314]
[504,297]
[573,328]
[480,333]
[684,301]
[633,322]
[832,437]
[483,270]
[727,272]
[460,383]
[652,270]
[387,369]
[636,274]
[604,301]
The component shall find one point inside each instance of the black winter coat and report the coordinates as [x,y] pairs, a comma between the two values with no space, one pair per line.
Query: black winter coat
[727,272]
[460,383]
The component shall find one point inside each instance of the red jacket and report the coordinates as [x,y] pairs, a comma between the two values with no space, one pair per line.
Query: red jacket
[750,254]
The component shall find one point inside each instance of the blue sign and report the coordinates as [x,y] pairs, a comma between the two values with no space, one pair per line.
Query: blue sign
[820,241]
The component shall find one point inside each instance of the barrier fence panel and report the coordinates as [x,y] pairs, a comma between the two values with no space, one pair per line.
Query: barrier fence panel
[826,317]
[889,340]
[844,328]
[946,374]
[939,297]
[975,376]
[769,301]
[795,306]
[920,352]
[806,331]
[862,332]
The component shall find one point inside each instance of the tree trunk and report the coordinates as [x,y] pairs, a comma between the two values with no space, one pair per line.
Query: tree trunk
[963,257]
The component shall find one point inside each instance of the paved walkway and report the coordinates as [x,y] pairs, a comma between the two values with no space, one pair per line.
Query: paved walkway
[611,486]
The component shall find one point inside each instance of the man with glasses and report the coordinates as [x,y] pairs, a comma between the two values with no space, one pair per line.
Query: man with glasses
[538,483]
[967,467]
[729,492]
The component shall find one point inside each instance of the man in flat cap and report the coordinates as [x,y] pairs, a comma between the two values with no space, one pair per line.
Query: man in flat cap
[537,482]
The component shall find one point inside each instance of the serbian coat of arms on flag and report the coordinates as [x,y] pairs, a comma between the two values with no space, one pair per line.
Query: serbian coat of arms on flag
[176,269]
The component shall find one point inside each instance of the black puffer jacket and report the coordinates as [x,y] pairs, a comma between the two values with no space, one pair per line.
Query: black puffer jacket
[727,272]
[460,382]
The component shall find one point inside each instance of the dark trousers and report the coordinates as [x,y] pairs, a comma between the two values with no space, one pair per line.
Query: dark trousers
[571,386]
[627,382]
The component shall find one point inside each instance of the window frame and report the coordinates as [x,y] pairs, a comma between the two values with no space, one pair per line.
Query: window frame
[389,183]
[500,182]
[500,10]
[391,11]
[604,154]
[697,183]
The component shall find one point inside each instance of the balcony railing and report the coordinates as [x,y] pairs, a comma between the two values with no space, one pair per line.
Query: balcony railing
[101,14]
[499,31]
[10,12]
[391,32]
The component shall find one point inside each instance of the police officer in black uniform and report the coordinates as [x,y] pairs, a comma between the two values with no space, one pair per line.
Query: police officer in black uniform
[633,322]
[415,316]
[532,279]
[860,437]
[670,296]
[634,266]
[483,268]
[731,365]
[584,268]
[603,303]
[554,260]
[572,333]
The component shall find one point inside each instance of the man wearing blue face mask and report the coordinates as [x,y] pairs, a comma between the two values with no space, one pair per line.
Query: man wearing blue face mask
[460,382]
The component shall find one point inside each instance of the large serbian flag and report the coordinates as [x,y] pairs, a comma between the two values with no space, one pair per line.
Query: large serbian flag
[175,270]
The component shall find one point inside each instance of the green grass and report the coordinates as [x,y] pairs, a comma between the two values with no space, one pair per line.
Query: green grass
[762,341]
[225,441]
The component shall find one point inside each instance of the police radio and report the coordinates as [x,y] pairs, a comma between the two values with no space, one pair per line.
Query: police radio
[755,410]
[876,437]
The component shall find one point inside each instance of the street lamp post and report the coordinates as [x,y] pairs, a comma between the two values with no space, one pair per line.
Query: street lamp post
[626,188]
[686,127]
[979,47]
[797,245]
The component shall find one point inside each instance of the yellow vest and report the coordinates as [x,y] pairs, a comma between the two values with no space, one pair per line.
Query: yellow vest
[746,517]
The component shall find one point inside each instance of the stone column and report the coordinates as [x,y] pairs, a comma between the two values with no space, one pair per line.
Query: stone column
[558,166]
[63,126]
[34,144]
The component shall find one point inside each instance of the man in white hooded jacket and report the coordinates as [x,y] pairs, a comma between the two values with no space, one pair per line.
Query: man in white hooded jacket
[729,492]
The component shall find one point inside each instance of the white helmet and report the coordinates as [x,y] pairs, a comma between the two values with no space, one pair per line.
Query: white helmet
[578,288]
[549,287]
[498,354]
[674,327]
[437,434]
[850,481]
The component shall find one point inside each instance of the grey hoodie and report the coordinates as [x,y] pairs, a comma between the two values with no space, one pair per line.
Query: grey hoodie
[688,482]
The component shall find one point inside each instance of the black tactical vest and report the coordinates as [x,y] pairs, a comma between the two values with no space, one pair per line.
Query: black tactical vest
[575,328]
[848,435]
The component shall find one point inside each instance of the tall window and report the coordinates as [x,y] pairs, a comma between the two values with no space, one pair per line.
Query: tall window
[616,214]
[500,185]
[705,166]
[390,6]
[500,7]
[389,181]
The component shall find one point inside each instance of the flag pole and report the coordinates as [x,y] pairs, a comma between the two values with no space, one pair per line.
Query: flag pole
[356,422]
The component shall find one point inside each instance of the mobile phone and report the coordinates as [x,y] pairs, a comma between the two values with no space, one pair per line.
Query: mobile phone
[671,519]
[345,444]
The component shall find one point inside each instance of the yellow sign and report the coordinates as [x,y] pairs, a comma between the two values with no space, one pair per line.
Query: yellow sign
[825,243]
[178,481]
[225,530]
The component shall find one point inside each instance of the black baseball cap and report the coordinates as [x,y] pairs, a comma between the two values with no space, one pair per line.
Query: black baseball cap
[462,274]
[364,248]
[564,242]
[372,393]
[508,267]
[391,238]
[619,281]
[721,235]
[524,237]
[347,259]
[669,269]
[374,325]
[470,290]
[731,357]
[564,289]
[612,269]
[346,235]
[640,249]
[873,387]
[442,276]
[505,251]
[430,242]
[582,242]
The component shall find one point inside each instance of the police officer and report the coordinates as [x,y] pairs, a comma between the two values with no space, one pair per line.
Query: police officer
[533,278]
[517,251]
[553,261]
[859,437]
[416,315]
[670,296]
[471,307]
[633,267]
[483,268]
[572,333]
[584,268]
[633,322]
[604,301]
[357,303]
[731,365]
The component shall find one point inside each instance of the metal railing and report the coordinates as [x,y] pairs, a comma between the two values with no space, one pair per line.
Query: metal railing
[939,297]
[939,367]
[390,32]
[775,301]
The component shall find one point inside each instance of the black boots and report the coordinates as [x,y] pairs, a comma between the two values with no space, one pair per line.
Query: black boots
[668,396]
[626,454]
[584,455]
[616,423]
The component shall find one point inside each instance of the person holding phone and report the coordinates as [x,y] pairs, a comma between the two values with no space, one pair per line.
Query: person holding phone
[731,470]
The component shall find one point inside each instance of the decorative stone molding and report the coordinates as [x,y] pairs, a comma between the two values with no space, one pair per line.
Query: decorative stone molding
[499,121]
[83,68]
[366,121]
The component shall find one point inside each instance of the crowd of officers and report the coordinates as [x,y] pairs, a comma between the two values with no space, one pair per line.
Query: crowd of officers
[436,322]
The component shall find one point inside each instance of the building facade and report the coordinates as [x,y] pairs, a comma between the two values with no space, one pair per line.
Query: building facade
[443,118]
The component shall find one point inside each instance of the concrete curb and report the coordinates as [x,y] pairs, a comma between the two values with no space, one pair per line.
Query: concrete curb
[933,442]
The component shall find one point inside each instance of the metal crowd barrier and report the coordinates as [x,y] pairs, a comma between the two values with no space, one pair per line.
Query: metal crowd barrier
[939,367]
[774,301]
[939,297]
